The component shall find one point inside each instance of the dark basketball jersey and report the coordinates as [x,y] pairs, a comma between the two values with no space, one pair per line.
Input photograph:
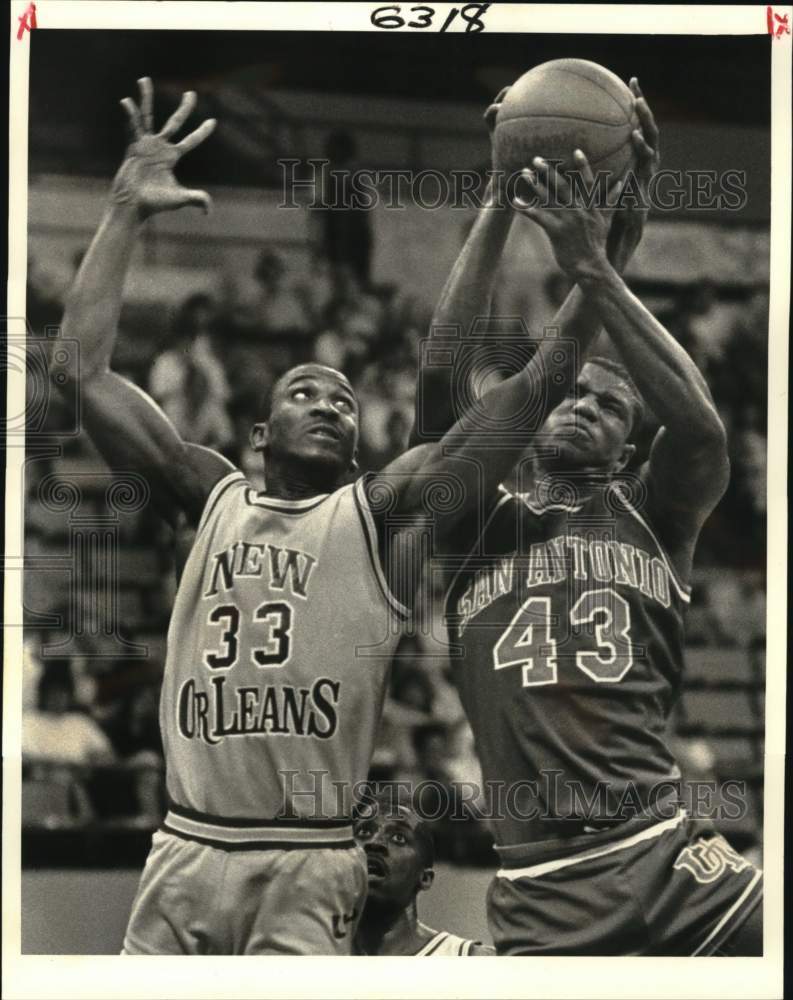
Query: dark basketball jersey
[567,625]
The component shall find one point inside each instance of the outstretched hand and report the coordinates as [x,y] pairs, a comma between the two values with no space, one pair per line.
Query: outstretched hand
[628,224]
[645,139]
[577,228]
[145,178]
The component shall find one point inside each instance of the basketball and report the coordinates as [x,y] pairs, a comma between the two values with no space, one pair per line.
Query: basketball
[561,106]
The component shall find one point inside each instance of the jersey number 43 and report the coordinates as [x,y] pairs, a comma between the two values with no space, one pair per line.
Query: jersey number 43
[528,641]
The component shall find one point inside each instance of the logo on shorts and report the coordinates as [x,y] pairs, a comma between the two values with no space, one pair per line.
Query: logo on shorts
[706,860]
[341,922]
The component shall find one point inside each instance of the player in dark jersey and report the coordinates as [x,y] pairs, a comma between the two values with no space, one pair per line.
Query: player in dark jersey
[287,614]
[567,618]
[400,854]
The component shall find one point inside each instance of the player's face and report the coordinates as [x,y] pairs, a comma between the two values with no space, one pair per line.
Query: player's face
[590,427]
[314,419]
[394,862]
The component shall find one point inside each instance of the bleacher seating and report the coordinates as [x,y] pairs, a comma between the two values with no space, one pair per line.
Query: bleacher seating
[719,666]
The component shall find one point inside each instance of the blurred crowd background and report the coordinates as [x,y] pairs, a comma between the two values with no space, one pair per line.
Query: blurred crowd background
[217,310]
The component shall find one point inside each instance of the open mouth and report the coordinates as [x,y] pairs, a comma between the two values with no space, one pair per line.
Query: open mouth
[376,867]
[325,432]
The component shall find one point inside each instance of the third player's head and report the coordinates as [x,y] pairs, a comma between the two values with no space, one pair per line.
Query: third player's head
[310,426]
[591,428]
[399,851]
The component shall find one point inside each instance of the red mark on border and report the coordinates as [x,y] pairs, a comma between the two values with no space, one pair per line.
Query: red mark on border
[777,23]
[27,22]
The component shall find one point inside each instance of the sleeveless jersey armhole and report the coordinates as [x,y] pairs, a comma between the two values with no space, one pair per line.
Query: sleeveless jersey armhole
[219,490]
[372,545]
[683,589]
[500,500]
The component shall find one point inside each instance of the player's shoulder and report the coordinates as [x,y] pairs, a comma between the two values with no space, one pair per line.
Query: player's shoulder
[230,482]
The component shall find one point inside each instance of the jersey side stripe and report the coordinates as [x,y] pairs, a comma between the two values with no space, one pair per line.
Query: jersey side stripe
[274,844]
[370,534]
[210,819]
[715,937]
[545,868]
[216,492]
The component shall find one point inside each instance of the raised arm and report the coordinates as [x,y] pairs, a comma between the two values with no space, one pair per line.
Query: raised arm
[434,499]
[466,296]
[450,485]
[127,427]
[468,292]
[688,468]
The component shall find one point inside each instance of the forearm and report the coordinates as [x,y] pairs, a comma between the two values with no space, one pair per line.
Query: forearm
[485,444]
[665,375]
[469,287]
[576,327]
[466,296]
[93,305]
[577,324]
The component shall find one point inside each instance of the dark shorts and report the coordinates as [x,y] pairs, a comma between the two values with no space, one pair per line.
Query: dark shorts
[670,889]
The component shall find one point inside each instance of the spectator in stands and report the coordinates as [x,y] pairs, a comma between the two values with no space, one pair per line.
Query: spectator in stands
[742,375]
[750,447]
[377,453]
[56,739]
[380,392]
[32,669]
[346,232]
[408,706]
[318,291]
[354,324]
[57,729]
[267,327]
[432,757]
[344,343]
[410,686]
[278,308]
[434,753]
[696,323]
[188,380]
[144,755]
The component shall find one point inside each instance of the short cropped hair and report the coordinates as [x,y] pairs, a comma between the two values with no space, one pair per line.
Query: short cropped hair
[387,799]
[268,397]
[637,403]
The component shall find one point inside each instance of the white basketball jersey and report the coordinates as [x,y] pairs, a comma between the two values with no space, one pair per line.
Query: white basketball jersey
[279,646]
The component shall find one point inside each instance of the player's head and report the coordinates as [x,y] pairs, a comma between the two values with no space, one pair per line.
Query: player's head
[399,849]
[591,428]
[310,420]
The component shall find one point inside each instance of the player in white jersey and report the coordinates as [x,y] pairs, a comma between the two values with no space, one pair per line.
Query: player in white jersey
[289,608]
[400,855]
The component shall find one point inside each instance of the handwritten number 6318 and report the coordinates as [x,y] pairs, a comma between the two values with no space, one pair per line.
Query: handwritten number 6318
[390,17]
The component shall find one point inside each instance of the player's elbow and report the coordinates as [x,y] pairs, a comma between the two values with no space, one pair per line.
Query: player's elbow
[709,433]
[714,455]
